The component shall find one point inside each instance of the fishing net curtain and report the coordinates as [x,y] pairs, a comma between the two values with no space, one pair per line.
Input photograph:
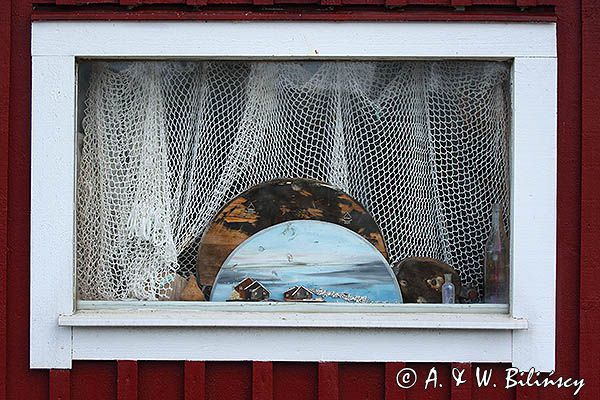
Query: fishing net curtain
[423,145]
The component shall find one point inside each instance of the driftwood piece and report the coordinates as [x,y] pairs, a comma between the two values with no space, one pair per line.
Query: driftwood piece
[192,291]
[172,288]
[421,279]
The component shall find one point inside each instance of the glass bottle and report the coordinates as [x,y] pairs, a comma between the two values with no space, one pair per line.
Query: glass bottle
[448,290]
[496,264]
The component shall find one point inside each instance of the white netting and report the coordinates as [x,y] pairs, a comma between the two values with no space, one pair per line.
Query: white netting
[422,145]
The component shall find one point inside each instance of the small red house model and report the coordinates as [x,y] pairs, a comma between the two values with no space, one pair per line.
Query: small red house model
[249,289]
[298,293]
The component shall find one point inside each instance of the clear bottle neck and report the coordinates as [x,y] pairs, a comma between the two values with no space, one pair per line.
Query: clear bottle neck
[448,278]
[496,217]
[497,240]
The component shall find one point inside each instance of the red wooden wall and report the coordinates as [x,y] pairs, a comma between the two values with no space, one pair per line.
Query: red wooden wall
[578,299]
[394,3]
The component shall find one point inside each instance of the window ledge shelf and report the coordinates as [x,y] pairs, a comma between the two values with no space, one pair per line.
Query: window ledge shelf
[270,307]
[291,319]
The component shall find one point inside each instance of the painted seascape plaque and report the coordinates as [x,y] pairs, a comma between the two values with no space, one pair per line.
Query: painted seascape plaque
[305,260]
[274,202]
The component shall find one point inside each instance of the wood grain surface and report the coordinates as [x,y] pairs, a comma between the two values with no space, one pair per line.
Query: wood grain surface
[271,203]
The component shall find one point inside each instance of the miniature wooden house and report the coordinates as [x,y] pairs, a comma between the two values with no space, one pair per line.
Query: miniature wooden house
[249,289]
[298,293]
[242,286]
[256,292]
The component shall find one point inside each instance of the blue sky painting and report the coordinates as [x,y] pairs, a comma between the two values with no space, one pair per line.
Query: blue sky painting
[314,254]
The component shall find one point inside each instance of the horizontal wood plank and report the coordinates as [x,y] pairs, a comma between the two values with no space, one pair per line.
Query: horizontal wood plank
[521,3]
[527,3]
[461,3]
[293,320]
[270,307]
[311,39]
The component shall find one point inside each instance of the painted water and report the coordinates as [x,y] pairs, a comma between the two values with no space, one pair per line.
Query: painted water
[317,255]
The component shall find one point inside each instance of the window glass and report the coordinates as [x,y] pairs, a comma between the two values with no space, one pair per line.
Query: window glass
[355,182]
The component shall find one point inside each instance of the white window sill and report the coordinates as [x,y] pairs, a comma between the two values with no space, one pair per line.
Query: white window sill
[291,319]
[282,332]
[276,315]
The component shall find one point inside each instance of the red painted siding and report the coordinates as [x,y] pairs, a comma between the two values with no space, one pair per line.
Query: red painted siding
[60,384]
[589,362]
[94,380]
[194,380]
[22,383]
[578,254]
[262,381]
[298,378]
[447,3]
[5,35]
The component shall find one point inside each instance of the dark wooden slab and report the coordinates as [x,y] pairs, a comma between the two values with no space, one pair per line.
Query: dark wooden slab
[274,202]
[421,279]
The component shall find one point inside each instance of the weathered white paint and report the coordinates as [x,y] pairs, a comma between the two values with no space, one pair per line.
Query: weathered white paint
[284,307]
[292,319]
[55,47]
[52,209]
[533,244]
[277,344]
[294,39]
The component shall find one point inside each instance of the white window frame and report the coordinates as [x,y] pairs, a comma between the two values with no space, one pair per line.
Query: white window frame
[524,336]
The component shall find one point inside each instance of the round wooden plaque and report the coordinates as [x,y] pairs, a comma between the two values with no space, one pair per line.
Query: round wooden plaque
[323,259]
